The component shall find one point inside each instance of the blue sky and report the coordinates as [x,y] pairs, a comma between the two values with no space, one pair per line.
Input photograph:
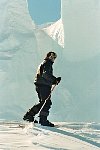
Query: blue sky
[43,11]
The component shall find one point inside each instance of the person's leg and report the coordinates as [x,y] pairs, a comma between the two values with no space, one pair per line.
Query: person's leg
[45,92]
[29,116]
[45,97]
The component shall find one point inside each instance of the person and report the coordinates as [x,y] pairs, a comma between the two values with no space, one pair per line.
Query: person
[44,81]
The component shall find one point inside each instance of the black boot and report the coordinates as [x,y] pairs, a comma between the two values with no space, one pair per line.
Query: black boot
[28,117]
[44,122]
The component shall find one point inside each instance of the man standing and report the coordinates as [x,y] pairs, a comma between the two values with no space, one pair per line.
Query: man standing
[43,81]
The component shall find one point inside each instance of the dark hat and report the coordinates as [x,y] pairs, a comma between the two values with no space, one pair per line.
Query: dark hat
[49,54]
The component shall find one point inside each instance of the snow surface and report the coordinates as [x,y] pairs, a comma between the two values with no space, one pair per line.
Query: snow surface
[68,136]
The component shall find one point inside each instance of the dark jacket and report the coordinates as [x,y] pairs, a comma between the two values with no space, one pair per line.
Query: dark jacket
[44,74]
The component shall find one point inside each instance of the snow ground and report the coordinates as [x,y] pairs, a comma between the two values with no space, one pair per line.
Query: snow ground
[67,136]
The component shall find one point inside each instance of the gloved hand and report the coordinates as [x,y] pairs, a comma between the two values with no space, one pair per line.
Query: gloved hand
[58,80]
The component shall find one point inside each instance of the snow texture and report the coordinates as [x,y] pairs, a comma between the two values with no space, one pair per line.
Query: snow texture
[68,136]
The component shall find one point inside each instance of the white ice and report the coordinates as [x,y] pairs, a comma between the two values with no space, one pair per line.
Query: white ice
[26,136]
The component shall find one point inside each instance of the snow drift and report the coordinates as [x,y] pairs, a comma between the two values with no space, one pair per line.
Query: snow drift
[67,136]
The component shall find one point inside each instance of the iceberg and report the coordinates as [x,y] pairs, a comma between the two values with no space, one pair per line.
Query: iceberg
[23,45]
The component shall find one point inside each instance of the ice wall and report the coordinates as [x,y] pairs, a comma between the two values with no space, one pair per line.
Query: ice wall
[23,46]
[82,56]
[17,41]
[82,28]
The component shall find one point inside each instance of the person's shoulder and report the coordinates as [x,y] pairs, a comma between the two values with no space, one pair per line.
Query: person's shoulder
[46,63]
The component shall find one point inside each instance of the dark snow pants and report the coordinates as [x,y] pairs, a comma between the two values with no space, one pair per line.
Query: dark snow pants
[43,92]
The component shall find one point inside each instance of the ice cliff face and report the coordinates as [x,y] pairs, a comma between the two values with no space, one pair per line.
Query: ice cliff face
[20,52]
[56,31]
[81,28]
[17,41]
[23,45]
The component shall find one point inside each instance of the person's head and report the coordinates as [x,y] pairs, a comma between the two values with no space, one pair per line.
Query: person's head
[51,55]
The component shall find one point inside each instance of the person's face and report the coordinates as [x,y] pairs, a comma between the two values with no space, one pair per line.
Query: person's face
[52,57]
